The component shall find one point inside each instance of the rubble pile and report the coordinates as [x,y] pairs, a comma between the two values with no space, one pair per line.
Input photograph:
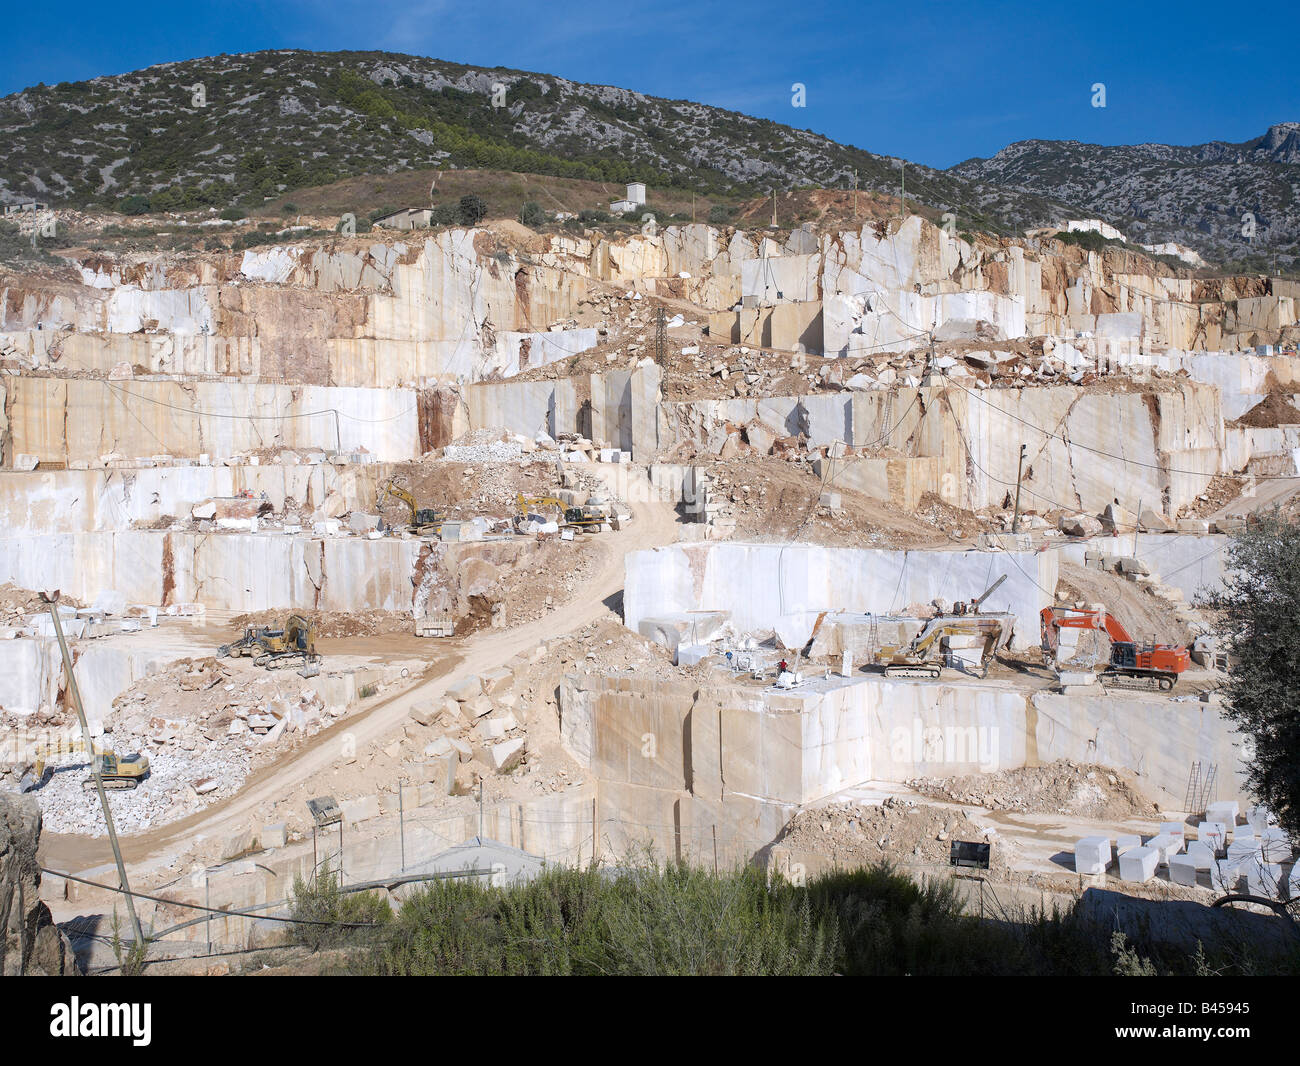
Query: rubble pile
[205,725]
[1061,787]
[898,830]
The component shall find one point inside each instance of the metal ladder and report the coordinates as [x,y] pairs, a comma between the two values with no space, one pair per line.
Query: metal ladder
[1202,787]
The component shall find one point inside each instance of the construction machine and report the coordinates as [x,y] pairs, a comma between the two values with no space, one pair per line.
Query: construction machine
[275,649]
[932,647]
[587,518]
[1131,665]
[526,505]
[117,771]
[926,653]
[423,519]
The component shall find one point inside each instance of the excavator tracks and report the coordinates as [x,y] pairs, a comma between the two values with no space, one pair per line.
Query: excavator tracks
[930,673]
[1143,681]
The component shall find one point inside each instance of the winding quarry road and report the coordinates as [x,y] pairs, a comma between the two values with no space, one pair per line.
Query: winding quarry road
[653,525]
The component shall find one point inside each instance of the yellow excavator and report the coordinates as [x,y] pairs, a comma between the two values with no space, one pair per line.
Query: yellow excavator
[118,771]
[925,655]
[278,648]
[587,518]
[927,652]
[423,519]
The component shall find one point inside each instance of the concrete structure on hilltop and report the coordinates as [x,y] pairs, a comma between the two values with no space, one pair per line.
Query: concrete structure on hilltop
[635,198]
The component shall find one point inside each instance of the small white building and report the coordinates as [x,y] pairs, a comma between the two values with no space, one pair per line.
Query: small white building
[407,218]
[635,199]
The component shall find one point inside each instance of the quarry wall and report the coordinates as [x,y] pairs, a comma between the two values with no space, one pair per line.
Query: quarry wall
[678,758]
[784,587]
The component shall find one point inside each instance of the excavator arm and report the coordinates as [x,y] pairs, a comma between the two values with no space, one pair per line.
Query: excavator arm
[397,492]
[1054,619]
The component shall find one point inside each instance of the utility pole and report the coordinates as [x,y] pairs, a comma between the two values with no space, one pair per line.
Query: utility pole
[1020,469]
[774,207]
[53,600]
[855,194]
[692,206]
[661,336]
[902,168]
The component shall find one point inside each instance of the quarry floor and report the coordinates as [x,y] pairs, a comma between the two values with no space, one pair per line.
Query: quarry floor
[310,770]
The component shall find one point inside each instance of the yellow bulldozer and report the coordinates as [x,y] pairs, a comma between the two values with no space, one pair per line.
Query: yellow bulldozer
[422,519]
[117,771]
[276,649]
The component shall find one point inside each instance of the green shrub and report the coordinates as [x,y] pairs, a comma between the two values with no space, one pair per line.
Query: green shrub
[531,214]
[719,214]
[234,214]
[134,205]
[472,210]
[360,915]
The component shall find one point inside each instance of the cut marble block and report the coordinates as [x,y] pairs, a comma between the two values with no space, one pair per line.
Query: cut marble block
[1213,834]
[1092,855]
[1243,850]
[1166,845]
[1245,832]
[1127,842]
[1258,817]
[1225,874]
[1275,845]
[1263,878]
[1225,812]
[1200,855]
[1176,829]
[1293,882]
[1182,870]
[1139,864]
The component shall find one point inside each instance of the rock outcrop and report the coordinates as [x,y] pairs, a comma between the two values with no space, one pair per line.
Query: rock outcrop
[30,943]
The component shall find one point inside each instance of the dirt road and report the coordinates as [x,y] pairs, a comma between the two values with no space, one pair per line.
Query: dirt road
[654,524]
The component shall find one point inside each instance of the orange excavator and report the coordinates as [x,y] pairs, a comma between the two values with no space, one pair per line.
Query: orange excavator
[1131,664]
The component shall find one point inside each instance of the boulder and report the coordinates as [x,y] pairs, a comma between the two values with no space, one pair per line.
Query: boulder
[466,689]
[1081,525]
[496,679]
[506,754]
[760,438]
[478,707]
[1150,521]
[30,943]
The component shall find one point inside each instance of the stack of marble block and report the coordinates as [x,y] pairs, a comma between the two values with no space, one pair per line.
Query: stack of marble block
[1252,853]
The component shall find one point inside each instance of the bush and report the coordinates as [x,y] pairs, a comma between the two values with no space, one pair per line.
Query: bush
[674,920]
[361,915]
[531,214]
[134,205]
[719,214]
[472,210]
[594,215]
[234,214]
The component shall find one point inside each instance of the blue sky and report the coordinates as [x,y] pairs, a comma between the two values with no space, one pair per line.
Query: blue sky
[932,82]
